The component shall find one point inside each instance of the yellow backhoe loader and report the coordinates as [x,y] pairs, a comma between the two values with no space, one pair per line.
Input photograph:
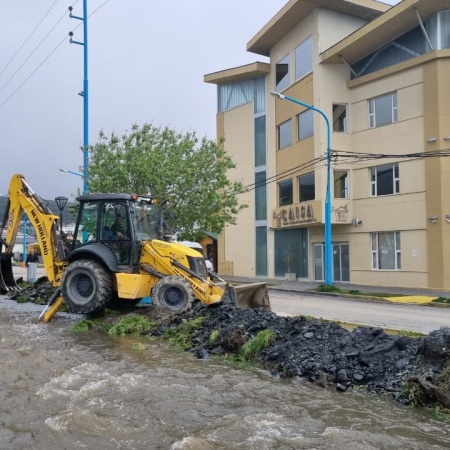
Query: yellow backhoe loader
[120,249]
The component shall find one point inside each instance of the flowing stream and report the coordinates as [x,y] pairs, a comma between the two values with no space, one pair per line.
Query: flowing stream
[65,390]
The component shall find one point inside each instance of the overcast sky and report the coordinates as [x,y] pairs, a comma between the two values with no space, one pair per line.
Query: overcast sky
[147,60]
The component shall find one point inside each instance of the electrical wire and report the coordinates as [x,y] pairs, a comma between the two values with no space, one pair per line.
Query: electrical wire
[28,38]
[51,53]
[321,162]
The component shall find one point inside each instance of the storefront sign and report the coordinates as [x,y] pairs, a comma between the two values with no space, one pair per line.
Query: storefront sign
[299,214]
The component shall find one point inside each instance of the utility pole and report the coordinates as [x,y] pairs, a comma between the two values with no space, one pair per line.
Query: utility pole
[84,93]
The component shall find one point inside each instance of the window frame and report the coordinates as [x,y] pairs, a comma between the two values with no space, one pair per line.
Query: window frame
[374,179]
[282,126]
[304,45]
[286,183]
[300,195]
[346,189]
[308,114]
[372,109]
[337,120]
[285,81]
[395,241]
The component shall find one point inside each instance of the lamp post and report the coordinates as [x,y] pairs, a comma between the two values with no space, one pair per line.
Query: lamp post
[61,203]
[328,241]
[78,174]
[84,93]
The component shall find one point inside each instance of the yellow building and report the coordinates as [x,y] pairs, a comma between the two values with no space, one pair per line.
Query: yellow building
[381,77]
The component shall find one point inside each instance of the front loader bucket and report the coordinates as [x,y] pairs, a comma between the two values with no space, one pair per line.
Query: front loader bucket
[250,296]
[7,281]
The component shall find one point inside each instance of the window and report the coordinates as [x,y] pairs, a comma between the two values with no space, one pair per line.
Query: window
[383,110]
[285,193]
[260,196]
[340,118]
[385,180]
[260,141]
[304,58]
[285,134]
[307,187]
[386,254]
[341,184]
[261,251]
[305,124]
[282,80]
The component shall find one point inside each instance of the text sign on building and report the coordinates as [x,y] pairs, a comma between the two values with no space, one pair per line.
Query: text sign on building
[299,214]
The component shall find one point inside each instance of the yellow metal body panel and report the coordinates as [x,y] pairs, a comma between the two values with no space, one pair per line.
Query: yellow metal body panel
[134,285]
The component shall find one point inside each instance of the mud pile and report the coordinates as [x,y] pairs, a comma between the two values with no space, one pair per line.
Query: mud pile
[326,353]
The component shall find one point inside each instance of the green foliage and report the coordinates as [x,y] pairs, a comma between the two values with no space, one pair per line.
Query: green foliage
[181,336]
[83,326]
[191,173]
[214,338]
[256,345]
[131,325]
[441,413]
[328,288]
[441,300]
[138,346]
[415,393]
[21,299]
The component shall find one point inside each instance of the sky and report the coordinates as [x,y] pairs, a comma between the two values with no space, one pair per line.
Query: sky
[146,62]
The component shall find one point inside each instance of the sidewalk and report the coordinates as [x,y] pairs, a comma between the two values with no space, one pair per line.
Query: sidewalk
[404,294]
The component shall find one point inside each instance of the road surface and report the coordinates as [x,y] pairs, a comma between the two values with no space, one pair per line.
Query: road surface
[423,319]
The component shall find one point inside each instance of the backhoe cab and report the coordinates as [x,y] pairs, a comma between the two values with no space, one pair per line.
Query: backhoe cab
[121,248]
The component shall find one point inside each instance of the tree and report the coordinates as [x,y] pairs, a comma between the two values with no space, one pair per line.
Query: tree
[191,174]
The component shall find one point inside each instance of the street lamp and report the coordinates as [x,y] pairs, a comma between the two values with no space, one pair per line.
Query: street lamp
[61,203]
[71,172]
[328,242]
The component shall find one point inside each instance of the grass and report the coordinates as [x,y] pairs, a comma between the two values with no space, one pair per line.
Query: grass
[257,344]
[132,325]
[441,300]
[181,336]
[334,289]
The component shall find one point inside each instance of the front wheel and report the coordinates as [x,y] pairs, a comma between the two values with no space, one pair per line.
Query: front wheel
[86,286]
[173,293]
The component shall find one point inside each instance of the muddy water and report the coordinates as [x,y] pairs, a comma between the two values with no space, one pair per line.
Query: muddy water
[63,390]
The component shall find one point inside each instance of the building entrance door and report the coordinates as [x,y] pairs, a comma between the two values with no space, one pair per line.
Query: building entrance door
[341,262]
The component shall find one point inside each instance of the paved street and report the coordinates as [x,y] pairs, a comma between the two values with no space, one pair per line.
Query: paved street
[418,318]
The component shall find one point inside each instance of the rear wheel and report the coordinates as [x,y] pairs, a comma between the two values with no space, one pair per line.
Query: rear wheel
[86,286]
[173,293]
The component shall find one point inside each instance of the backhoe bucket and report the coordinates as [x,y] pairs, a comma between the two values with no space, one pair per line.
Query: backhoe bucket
[7,281]
[250,296]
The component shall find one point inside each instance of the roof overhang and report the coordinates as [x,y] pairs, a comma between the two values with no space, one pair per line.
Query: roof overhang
[297,10]
[384,29]
[253,70]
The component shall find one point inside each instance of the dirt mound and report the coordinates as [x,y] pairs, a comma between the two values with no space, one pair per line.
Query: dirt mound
[324,352]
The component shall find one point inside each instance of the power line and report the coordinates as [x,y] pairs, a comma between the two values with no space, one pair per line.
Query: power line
[27,39]
[32,53]
[51,53]
[32,73]
[358,157]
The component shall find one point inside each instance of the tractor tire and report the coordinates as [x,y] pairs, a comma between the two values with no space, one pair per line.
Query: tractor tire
[86,287]
[173,293]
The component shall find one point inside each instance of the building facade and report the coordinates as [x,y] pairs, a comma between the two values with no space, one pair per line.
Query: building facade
[379,80]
